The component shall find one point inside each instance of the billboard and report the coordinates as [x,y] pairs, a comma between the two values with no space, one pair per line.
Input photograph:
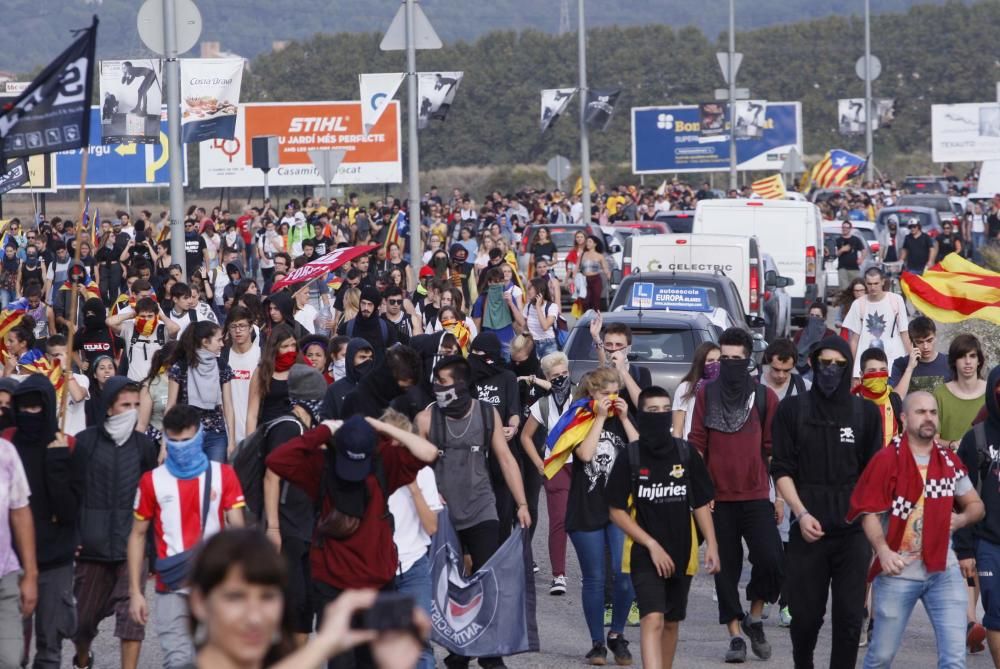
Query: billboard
[669,139]
[851,114]
[121,166]
[41,175]
[965,132]
[375,157]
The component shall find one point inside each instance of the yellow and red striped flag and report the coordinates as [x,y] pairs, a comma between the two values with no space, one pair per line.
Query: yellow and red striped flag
[770,188]
[837,168]
[955,290]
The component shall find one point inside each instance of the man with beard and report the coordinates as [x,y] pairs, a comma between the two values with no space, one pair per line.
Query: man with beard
[731,428]
[388,381]
[358,362]
[288,512]
[911,497]
[348,477]
[465,430]
[497,387]
[822,441]
[369,325]
[115,457]
[56,488]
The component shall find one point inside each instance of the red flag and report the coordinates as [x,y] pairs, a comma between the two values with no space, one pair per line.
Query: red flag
[323,266]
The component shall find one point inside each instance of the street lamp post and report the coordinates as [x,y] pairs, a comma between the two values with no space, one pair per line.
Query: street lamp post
[733,184]
[584,140]
[869,145]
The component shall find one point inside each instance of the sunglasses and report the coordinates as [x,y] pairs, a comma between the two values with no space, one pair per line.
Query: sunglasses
[827,362]
[395,301]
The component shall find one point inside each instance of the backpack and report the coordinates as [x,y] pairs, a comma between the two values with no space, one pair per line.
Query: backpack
[982,454]
[161,336]
[382,326]
[248,463]
[437,428]
[798,384]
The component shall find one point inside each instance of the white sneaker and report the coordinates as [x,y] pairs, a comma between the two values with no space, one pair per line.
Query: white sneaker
[558,586]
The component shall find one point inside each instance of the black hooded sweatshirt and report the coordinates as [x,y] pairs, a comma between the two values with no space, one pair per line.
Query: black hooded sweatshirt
[491,382]
[333,401]
[374,393]
[824,443]
[985,469]
[283,300]
[55,476]
[111,476]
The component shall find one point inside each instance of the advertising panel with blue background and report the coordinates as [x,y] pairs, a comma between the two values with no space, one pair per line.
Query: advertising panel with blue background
[669,139]
[117,165]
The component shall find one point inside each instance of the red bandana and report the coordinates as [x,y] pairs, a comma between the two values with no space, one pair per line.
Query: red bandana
[891,483]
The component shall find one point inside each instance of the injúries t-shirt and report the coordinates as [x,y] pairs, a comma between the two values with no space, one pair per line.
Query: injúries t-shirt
[587,507]
[667,491]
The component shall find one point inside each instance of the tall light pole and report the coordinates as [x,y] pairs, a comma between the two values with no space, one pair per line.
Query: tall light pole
[173,76]
[416,253]
[869,145]
[581,38]
[733,184]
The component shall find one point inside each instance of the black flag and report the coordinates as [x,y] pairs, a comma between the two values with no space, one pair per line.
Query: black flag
[53,113]
[600,107]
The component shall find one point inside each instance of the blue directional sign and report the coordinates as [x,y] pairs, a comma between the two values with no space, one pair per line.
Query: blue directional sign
[117,165]
[668,139]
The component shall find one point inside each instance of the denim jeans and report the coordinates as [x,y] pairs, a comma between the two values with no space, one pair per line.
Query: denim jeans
[215,446]
[590,551]
[545,346]
[6,297]
[944,598]
[416,581]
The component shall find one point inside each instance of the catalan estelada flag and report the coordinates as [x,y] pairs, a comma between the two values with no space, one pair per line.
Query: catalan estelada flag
[35,362]
[770,188]
[837,168]
[89,287]
[568,433]
[955,290]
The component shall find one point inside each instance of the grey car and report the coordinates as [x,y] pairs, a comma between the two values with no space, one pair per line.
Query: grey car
[663,342]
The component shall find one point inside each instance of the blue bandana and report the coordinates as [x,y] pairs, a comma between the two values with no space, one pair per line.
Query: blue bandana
[187,459]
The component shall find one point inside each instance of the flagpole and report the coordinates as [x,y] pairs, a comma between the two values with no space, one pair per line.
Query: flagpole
[74,286]
[869,168]
[413,211]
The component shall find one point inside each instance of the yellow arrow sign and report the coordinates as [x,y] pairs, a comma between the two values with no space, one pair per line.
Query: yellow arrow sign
[126,149]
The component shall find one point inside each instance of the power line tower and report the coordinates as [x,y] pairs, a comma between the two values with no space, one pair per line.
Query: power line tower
[563,17]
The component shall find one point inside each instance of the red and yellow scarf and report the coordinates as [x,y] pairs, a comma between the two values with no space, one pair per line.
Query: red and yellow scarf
[875,386]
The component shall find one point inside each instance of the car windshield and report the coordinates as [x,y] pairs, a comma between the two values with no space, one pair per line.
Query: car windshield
[623,293]
[939,203]
[563,237]
[923,185]
[679,223]
[648,345]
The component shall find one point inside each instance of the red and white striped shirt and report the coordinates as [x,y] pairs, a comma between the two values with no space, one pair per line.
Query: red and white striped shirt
[174,507]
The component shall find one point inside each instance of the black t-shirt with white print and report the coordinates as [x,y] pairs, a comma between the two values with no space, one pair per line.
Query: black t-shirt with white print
[667,491]
[587,507]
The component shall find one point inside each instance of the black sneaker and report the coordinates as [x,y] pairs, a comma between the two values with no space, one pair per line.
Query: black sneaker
[452,661]
[598,655]
[737,653]
[758,642]
[619,648]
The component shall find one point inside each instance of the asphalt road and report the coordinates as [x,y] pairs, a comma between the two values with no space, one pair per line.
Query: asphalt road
[564,639]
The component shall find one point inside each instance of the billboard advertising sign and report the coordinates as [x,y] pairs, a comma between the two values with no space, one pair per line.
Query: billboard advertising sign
[965,132]
[375,157]
[670,139]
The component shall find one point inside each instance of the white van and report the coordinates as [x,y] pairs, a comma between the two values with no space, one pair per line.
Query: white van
[738,257]
[790,232]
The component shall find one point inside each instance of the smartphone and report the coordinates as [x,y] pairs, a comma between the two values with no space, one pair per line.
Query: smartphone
[391,611]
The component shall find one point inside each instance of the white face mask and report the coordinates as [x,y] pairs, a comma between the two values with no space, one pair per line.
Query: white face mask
[339,369]
[120,426]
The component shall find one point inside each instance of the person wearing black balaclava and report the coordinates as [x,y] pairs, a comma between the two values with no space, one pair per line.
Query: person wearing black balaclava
[96,338]
[731,428]
[369,325]
[358,363]
[822,441]
[497,386]
[56,482]
[387,382]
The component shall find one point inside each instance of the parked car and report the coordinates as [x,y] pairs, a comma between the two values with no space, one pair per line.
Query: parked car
[664,342]
[776,303]
[941,203]
[925,185]
[930,222]
[678,221]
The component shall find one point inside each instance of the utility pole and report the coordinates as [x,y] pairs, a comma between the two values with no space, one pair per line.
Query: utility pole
[733,184]
[869,144]
[413,213]
[584,140]
[563,17]
[172,74]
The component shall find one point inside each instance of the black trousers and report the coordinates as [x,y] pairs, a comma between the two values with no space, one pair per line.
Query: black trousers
[752,521]
[358,658]
[839,562]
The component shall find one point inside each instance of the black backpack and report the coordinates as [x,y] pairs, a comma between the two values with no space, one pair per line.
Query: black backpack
[437,434]
[248,463]
[982,455]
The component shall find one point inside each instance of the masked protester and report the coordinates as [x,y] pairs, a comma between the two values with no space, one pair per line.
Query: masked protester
[357,364]
[96,338]
[115,457]
[55,477]
[874,386]
[465,430]
[369,325]
[823,439]
[387,383]
[7,387]
[655,493]
[179,488]
[349,477]
[731,414]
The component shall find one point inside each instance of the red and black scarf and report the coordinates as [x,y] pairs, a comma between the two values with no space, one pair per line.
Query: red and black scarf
[891,483]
